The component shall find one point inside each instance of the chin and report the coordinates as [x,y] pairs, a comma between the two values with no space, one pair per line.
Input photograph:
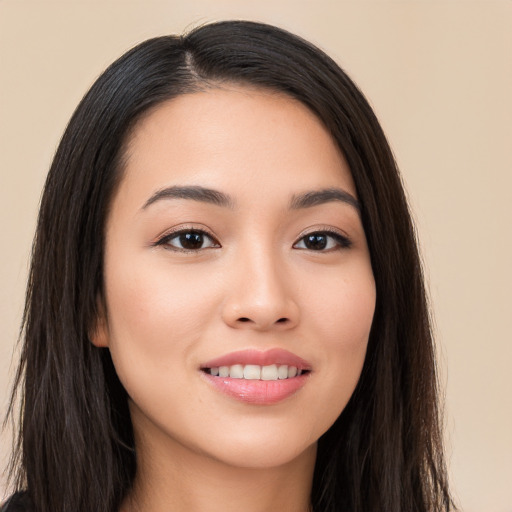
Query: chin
[267,454]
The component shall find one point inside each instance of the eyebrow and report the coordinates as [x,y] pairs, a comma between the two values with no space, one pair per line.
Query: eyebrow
[327,195]
[193,192]
[208,195]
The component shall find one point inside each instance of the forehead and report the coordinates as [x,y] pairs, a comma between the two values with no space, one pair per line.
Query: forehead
[237,139]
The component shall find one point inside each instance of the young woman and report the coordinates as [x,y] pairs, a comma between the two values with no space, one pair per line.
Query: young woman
[226,308]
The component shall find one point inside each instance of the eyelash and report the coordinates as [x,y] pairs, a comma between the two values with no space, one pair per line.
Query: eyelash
[166,239]
[342,241]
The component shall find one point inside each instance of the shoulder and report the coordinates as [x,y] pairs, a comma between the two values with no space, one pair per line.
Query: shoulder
[19,502]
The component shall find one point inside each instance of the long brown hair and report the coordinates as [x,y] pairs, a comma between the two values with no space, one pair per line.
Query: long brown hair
[75,444]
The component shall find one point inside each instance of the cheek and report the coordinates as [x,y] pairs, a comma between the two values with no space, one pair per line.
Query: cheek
[156,317]
[343,306]
[342,314]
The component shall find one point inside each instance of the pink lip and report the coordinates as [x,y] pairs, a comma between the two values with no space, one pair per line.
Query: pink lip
[258,392]
[273,356]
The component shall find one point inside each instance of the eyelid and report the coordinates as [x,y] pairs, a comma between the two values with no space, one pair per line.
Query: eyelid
[341,237]
[178,230]
[344,241]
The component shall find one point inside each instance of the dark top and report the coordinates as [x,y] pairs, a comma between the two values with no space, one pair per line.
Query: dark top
[19,502]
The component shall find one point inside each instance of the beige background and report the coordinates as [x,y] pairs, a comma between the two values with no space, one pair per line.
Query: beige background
[439,75]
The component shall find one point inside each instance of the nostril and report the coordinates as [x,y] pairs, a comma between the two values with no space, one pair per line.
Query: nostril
[245,319]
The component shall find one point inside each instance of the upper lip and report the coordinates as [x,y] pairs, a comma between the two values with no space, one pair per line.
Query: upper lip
[275,356]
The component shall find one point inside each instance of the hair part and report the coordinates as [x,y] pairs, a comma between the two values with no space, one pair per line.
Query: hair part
[75,448]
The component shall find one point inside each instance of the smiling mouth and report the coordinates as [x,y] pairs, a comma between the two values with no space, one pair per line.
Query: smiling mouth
[256,372]
[258,377]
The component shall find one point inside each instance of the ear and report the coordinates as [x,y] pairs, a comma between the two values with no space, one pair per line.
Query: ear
[98,333]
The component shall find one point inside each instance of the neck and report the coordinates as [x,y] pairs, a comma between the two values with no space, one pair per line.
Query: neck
[179,480]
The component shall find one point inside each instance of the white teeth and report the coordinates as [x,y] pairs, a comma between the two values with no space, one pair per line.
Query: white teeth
[256,372]
[236,371]
[292,371]
[252,372]
[269,372]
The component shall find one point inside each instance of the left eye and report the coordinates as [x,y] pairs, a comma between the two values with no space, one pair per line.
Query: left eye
[322,241]
[188,240]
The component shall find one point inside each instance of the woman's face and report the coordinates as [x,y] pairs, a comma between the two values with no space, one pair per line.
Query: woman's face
[239,293]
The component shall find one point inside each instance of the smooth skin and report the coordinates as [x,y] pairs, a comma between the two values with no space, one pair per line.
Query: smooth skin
[247,277]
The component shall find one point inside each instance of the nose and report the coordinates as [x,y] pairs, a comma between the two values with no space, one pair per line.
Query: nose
[260,295]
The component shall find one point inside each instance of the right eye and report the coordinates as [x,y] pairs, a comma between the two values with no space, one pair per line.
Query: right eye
[188,240]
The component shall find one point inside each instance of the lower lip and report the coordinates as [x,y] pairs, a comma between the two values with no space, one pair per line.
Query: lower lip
[260,392]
